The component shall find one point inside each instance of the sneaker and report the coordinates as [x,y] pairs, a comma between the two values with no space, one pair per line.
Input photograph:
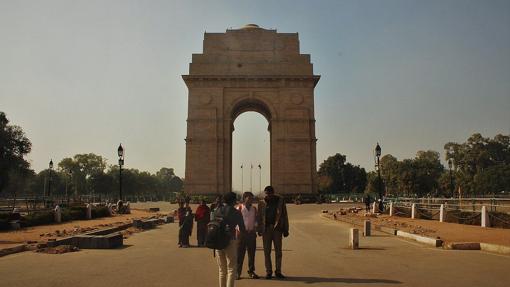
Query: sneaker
[269,276]
[252,275]
[279,275]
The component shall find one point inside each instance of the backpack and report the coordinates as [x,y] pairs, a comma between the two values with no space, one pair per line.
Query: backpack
[218,235]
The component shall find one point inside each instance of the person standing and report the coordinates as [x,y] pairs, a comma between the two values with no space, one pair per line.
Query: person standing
[181,214]
[273,223]
[367,203]
[186,228]
[202,216]
[227,257]
[247,239]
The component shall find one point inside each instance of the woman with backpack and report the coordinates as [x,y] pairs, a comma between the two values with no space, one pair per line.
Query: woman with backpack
[227,257]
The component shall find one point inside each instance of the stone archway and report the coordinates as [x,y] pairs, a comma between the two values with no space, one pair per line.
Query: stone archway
[251,69]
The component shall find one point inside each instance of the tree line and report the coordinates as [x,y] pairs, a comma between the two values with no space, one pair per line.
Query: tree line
[82,174]
[479,166]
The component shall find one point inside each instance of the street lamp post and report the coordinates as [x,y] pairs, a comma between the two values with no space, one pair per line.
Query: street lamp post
[120,152]
[49,181]
[379,187]
[260,179]
[450,164]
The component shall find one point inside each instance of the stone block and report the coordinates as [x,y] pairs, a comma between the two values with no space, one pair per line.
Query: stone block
[354,238]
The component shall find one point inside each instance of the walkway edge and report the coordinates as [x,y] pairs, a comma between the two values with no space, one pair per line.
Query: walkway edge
[12,250]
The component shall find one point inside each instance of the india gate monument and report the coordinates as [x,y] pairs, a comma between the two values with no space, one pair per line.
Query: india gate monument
[259,70]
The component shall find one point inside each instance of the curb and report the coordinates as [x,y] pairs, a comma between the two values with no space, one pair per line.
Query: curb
[495,248]
[463,246]
[12,250]
[422,239]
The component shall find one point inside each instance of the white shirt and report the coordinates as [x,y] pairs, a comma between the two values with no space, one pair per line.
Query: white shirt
[249,217]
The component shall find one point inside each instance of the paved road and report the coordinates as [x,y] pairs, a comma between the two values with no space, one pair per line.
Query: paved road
[315,254]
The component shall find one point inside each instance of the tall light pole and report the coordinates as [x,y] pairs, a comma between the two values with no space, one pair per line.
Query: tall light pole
[450,164]
[379,187]
[49,181]
[251,171]
[260,179]
[120,152]
[242,179]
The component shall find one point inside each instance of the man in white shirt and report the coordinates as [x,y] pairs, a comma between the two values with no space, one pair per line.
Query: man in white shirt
[248,239]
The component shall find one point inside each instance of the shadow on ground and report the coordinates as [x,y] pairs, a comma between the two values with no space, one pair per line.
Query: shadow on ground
[311,280]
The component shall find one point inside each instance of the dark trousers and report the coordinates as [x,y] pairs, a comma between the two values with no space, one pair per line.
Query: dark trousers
[183,236]
[201,232]
[272,237]
[247,242]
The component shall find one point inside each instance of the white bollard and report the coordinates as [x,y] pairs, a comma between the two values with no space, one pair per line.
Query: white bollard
[128,208]
[441,213]
[110,209]
[413,210]
[58,214]
[485,217]
[367,228]
[89,211]
[373,207]
[354,238]
[391,208]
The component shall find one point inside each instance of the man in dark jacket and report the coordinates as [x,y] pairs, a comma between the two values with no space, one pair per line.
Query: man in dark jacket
[273,223]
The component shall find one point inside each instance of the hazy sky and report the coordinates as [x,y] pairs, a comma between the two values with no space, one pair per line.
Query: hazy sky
[82,76]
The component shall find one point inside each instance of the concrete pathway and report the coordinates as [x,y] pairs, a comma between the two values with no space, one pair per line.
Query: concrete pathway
[315,254]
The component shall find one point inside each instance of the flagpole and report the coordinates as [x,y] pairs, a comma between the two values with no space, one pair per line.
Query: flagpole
[260,178]
[251,169]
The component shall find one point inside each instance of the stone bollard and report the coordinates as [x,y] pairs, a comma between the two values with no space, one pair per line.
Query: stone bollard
[367,228]
[89,211]
[58,214]
[354,238]
[441,213]
[391,208]
[373,207]
[485,217]
[413,210]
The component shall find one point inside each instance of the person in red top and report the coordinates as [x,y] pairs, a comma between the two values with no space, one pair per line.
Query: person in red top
[202,217]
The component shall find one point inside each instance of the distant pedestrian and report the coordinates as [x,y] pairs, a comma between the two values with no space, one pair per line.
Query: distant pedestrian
[227,257]
[181,214]
[202,217]
[248,239]
[367,203]
[186,229]
[273,223]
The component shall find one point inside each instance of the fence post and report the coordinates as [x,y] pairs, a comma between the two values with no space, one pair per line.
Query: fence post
[391,208]
[441,213]
[366,228]
[485,217]
[89,211]
[413,210]
[354,238]
[58,214]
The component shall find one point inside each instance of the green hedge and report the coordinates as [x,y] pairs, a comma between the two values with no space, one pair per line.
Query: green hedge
[101,211]
[37,218]
[4,221]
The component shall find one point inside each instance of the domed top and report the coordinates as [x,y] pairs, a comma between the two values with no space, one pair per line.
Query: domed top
[250,26]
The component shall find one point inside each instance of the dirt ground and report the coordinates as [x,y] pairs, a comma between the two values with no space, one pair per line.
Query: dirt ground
[448,232]
[41,234]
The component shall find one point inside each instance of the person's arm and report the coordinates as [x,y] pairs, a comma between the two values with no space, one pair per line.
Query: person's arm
[240,221]
[285,220]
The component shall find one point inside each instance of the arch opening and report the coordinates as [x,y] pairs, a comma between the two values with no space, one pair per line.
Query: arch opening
[251,152]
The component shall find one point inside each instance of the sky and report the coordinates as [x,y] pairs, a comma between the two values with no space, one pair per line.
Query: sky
[84,76]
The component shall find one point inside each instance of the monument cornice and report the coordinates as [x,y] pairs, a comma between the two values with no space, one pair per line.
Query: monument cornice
[289,81]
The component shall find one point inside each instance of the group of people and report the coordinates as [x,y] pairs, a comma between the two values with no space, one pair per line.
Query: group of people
[244,224]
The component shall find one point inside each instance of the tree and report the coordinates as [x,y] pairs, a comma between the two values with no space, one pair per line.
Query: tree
[14,145]
[337,176]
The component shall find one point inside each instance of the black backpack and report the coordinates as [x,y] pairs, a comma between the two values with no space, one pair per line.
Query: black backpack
[218,235]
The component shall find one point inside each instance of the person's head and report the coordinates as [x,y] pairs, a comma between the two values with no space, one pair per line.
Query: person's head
[248,198]
[269,191]
[202,202]
[230,198]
